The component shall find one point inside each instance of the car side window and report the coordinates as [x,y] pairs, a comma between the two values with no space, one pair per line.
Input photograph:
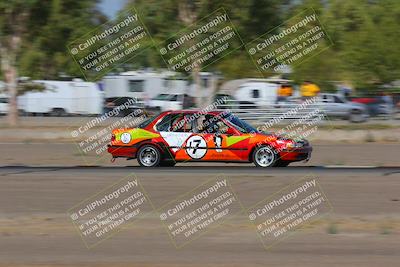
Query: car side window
[210,124]
[328,99]
[175,123]
[222,128]
[255,93]
[338,100]
[182,124]
[168,122]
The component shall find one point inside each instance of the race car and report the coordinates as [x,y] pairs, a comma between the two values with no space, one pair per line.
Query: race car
[193,136]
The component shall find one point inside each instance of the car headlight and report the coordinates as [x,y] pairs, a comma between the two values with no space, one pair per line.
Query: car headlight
[299,144]
[290,145]
[286,143]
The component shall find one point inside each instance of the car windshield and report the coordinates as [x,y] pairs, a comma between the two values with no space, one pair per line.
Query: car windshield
[173,98]
[239,124]
[162,97]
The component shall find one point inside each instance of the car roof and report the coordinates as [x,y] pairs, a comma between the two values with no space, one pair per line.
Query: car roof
[192,111]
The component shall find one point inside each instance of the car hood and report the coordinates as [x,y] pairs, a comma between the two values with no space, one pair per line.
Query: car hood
[283,137]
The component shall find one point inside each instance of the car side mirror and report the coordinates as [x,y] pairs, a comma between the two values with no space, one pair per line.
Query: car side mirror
[230,131]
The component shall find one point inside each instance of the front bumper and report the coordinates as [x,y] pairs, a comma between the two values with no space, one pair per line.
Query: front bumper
[296,154]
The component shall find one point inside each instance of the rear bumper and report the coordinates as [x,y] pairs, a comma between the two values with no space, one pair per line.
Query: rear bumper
[122,151]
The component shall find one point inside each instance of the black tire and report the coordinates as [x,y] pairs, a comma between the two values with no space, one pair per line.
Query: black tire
[281,163]
[269,160]
[58,112]
[357,116]
[167,163]
[149,156]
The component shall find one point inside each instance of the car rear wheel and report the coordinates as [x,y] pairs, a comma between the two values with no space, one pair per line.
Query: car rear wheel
[264,156]
[149,156]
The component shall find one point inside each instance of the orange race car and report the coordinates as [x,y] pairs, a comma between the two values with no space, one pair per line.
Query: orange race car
[215,136]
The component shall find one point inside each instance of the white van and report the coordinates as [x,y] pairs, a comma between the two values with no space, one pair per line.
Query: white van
[253,93]
[142,85]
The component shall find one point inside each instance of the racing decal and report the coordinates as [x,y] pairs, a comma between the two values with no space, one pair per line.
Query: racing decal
[175,139]
[125,138]
[134,135]
[137,134]
[218,142]
[231,140]
[196,147]
[140,133]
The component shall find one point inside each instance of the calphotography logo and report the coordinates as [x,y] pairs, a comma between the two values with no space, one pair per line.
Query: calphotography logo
[289,44]
[198,211]
[110,45]
[104,214]
[288,210]
[201,44]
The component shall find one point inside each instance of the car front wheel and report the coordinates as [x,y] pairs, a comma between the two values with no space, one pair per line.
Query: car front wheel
[264,156]
[149,156]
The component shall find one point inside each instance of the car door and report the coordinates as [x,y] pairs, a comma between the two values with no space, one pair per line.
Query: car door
[212,140]
[172,130]
[339,107]
[328,105]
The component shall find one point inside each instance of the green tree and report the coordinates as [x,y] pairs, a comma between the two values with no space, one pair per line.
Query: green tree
[251,18]
[33,40]
[366,48]
[13,24]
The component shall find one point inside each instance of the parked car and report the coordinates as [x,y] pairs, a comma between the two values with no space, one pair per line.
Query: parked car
[217,136]
[376,106]
[335,105]
[163,102]
[126,105]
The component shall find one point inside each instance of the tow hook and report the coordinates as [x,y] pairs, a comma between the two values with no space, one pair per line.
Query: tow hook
[112,160]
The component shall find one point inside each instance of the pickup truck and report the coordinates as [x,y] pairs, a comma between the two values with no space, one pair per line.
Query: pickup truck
[163,102]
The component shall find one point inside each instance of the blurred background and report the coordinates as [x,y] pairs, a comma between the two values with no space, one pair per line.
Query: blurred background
[362,65]
[53,139]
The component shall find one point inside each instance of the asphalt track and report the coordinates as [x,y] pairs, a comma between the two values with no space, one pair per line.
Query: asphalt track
[35,228]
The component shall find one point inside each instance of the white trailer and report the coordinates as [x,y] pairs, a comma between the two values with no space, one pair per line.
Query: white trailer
[3,99]
[146,85]
[62,98]
[3,104]
[142,85]
[252,93]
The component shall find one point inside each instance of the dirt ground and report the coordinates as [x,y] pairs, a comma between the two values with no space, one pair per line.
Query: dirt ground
[362,230]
